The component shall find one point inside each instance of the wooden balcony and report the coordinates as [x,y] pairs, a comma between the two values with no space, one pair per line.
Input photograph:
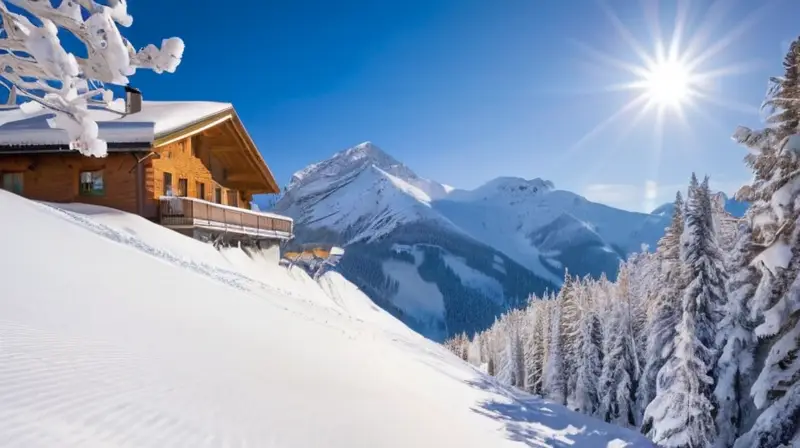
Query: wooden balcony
[183,213]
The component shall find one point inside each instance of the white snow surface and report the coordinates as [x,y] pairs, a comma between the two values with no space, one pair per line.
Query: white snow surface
[156,118]
[117,332]
[415,296]
[474,278]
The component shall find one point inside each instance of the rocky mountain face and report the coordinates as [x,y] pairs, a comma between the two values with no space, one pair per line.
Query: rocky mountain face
[447,260]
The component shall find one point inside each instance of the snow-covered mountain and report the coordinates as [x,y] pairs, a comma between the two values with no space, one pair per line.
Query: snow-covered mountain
[206,348]
[731,205]
[446,260]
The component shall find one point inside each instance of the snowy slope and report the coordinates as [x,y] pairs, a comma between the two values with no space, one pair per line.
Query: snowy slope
[116,332]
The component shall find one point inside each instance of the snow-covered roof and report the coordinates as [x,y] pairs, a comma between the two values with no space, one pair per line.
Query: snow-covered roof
[156,119]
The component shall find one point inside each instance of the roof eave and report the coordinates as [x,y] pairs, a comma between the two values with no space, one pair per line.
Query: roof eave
[256,156]
[65,149]
[195,127]
[228,114]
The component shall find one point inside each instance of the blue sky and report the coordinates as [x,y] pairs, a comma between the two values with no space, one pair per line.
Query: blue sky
[463,91]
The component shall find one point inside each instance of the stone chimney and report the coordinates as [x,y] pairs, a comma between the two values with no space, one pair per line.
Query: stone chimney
[133,100]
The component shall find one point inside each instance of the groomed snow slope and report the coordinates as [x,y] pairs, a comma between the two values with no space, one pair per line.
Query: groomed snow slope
[116,332]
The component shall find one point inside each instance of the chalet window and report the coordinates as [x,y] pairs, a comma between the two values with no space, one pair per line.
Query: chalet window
[183,187]
[201,190]
[167,184]
[233,198]
[218,195]
[12,182]
[91,183]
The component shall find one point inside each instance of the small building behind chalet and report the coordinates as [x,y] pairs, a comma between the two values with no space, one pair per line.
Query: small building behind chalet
[190,166]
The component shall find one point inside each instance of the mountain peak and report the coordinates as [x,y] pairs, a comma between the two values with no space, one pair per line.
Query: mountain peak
[506,187]
[354,160]
[369,153]
[510,183]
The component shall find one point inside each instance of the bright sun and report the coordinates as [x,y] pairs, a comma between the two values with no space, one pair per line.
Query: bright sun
[667,83]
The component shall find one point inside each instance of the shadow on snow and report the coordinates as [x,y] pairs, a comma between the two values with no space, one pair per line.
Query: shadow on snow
[538,423]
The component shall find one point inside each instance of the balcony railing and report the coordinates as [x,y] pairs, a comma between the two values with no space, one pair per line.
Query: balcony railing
[184,212]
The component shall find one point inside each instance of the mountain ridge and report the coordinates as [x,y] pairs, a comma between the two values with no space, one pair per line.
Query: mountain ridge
[457,247]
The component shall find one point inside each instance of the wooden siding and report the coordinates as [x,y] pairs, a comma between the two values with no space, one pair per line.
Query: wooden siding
[215,157]
[55,178]
[192,160]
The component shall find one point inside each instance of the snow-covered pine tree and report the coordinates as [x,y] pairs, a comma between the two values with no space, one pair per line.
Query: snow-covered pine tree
[776,239]
[504,360]
[474,351]
[681,414]
[40,69]
[643,269]
[569,325]
[555,376]
[536,348]
[584,397]
[725,224]
[736,342]
[618,377]
[663,310]
[515,328]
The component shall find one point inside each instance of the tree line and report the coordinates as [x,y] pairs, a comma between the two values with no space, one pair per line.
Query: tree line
[696,343]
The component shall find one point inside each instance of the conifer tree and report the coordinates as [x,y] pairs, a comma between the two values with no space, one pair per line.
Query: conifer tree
[663,312]
[569,325]
[776,241]
[555,376]
[736,343]
[589,367]
[620,371]
[536,349]
[681,414]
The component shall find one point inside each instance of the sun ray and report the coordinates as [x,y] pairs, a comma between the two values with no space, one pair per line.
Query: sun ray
[729,70]
[650,12]
[695,61]
[677,33]
[615,146]
[659,147]
[606,58]
[608,121]
[626,34]
[731,105]
[568,154]
[713,17]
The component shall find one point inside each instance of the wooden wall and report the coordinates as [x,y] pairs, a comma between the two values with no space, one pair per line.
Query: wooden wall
[55,178]
[190,160]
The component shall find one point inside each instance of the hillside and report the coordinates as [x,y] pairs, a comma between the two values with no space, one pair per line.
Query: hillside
[445,260]
[117,332]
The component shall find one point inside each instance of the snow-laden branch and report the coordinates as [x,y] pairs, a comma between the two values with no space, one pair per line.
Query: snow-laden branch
[38,66]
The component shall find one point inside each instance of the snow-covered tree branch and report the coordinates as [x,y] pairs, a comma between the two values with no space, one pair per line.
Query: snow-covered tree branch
[38,67]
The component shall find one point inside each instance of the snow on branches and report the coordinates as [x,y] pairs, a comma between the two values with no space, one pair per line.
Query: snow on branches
[39,68]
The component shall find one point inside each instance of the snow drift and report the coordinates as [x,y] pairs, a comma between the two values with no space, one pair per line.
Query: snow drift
[117,332]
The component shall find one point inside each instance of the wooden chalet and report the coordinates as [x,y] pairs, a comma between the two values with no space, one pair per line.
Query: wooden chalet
[190,166]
